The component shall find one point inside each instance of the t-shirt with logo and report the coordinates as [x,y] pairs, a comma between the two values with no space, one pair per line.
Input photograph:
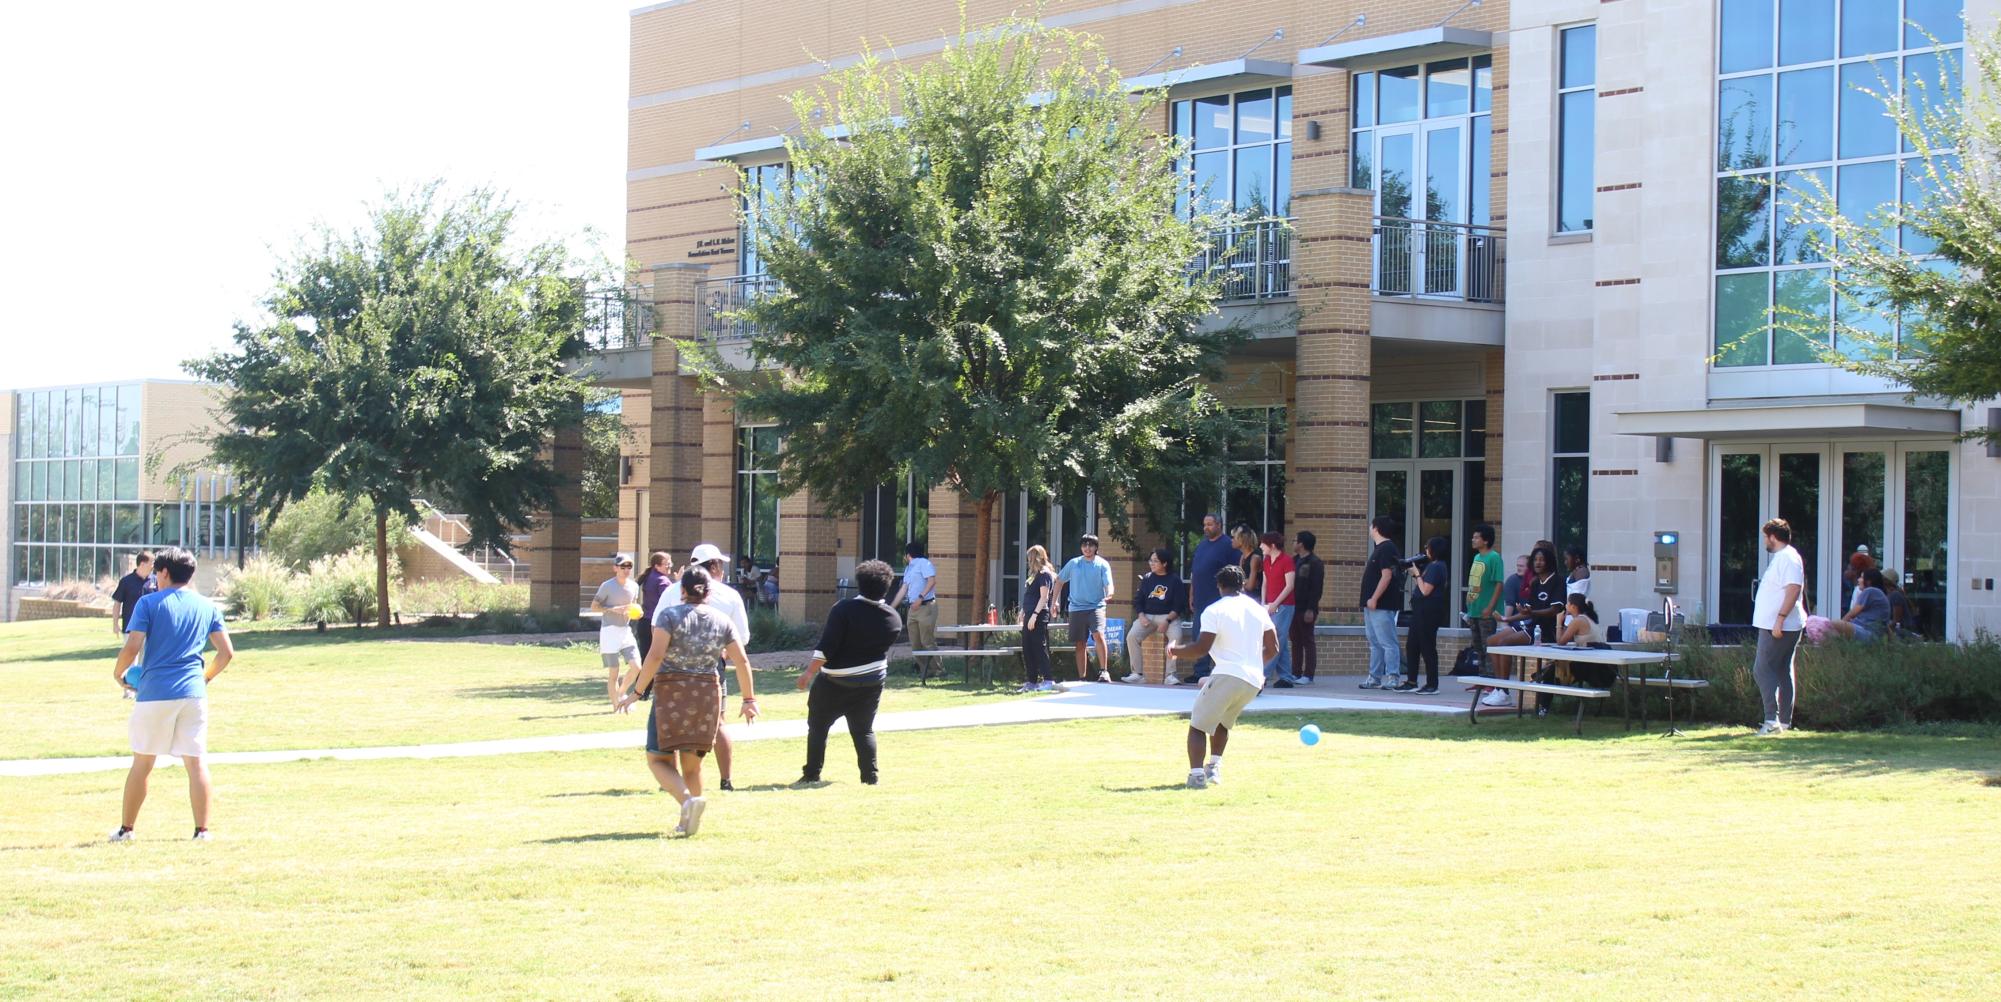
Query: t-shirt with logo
[1239,624]
[1483,579]
[1161,594]
[177,623]
[1276,568]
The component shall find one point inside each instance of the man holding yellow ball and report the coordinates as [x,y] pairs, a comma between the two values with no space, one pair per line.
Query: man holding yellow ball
[618,600]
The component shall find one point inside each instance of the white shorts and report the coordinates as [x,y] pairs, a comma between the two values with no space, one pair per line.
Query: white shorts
[170,727]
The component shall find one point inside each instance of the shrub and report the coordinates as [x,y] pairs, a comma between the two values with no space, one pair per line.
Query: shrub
[771,632]
[321,525]
[1843,685]
[261,589]
[460,597]
[83,592]
[341,589]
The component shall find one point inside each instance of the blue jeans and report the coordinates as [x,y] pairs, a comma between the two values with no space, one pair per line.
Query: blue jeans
[1282,664]
[1385,660]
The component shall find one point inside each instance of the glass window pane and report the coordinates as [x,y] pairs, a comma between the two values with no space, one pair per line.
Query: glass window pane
[1866,127]
[1281,185]
[72,422]
[1744,123]
[1741,305]
[1363,104]
[36,528]
[1806,31]
[1927,522]
[1212,181]
[1868,26]
[1445,187]
[1572,496]
[67,516]
[1483,83]
[1802,301]
[1743,221]
[1933,90]
[1863,190]
[1580,56]
[1397,95]
[1745,35]
[1184,118]
[1446,88]
[128,480]
[87,427]
[1480,206]
[1578,121]
[1255,123]
[103,534]
[1212,122]
[1254,181]
[1361,162]
[89,488]
[1921,180]
[107,480]
[1391,496]
[1863,327]
[126,524]
[1933,20]
[1573,422]
[1397,170]
[38,488]
[1284,114]
[128,420]
[1806,116]
[1796,240]
[1439,429]
[107,421]
[1390,427]
[72,480]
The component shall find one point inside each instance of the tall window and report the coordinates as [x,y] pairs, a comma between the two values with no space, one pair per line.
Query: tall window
[893,515]
[762,184]
[1428,471]
[1391,107]
[1570,490]
[1242,152]
[1577,127]
[1800,111]
[76,483]
[756,495]
[1255,495]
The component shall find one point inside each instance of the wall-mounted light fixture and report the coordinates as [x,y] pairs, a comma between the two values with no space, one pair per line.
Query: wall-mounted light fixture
[1663,449]
[1313,129]
[624,470]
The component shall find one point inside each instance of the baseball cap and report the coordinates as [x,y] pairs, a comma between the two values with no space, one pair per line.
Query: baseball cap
[705,553]
[621,560]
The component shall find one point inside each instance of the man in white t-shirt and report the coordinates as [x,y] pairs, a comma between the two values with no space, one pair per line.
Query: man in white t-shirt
[1780,619]
[920,589]
[1238,635]
[615,601]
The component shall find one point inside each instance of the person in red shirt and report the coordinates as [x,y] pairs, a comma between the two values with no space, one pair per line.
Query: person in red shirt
[1279,576]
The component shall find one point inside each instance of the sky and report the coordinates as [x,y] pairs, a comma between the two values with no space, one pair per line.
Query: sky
[161,159]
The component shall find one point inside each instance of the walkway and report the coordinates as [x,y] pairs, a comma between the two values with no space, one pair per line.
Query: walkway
[1084,701]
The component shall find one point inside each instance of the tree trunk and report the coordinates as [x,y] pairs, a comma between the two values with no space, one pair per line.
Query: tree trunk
[982,555]
[381,564]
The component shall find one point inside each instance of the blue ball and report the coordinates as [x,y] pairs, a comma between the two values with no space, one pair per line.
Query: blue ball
[1310,734]
[132,676]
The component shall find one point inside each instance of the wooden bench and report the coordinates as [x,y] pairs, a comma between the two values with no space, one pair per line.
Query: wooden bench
[1476,683]
[984,655]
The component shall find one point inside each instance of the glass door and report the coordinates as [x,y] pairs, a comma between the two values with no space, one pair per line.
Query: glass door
[1925,535]
[1441,262]
[1738,552]
[1864,473]
[1425,501]
[1396,185]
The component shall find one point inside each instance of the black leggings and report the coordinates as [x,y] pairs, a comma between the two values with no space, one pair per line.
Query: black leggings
[1423,643]
[1035,653]
[828,701]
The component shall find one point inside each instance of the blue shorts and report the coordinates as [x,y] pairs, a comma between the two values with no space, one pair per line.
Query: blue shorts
[652,732]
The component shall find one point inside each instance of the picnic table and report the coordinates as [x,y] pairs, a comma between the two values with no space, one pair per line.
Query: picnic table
[971,652]
[1625,658]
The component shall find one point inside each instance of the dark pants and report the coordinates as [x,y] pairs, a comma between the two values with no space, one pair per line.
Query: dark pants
[1204,664]
[642,631]
[1423,643]
[1305,653]
[828,701]
[1035,653]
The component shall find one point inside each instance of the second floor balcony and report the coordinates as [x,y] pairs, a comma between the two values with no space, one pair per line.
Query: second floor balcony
[1438,260]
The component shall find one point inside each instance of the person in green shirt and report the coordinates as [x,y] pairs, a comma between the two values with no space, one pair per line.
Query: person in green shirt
[1483,588]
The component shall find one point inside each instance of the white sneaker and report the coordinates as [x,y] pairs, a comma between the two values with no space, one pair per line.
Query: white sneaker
[1197,779]
[1213,775]
[1135,678]
[1104,676]
[1495,697]
[201,836]
[120,835]
[1171,679]
[691,814]
[1769,727]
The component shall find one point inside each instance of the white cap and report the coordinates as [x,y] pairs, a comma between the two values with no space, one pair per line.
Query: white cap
[706,553]
[621,558]
[1863,549]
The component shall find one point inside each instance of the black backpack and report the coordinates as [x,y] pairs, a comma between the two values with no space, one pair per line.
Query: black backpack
[1469,662]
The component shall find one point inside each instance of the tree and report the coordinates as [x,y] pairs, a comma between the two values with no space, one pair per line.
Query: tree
[419,356]
[985,282]
[1939,284]
[605,436]
[321,525]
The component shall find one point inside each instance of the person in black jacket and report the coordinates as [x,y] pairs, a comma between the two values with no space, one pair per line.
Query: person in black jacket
[1427,606]
[848,670]
[1160,602]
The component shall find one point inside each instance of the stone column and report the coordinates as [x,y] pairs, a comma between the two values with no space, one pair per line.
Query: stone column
[556,538]
[674,523]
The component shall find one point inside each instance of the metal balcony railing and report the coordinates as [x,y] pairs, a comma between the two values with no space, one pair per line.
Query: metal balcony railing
[717,301]
[1255,259]
[615,319]
[1428,260]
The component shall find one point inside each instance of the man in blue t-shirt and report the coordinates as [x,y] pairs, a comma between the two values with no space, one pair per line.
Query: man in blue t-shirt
[172,627]
[1087,579]
[1212,554]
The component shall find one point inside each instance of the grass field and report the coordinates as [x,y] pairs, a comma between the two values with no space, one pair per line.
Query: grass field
[1400,858]
[345,689]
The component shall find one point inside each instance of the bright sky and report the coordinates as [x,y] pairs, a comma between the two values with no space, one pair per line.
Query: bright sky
[161,157]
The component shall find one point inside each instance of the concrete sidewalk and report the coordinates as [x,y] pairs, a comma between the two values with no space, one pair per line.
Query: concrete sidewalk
[1084,701]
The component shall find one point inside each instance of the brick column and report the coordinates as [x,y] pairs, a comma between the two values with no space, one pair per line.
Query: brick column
[556,537]
[807,546]
[953,536]
[674,523]
[1328,462]
[715,473]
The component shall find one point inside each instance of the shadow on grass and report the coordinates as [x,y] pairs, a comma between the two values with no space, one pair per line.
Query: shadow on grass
[601,837]
[627,792]
[777,787]
[1155,788]
[555,690]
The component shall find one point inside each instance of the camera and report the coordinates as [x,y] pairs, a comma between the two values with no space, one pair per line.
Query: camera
[1417,562]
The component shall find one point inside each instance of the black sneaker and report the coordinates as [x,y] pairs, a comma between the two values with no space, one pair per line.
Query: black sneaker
[725,785]
[1406,687]
[1429,690]
[1282,684]
[869,779]
[806,779]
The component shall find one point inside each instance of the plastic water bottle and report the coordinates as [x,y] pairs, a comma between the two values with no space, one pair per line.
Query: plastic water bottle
[993,615]
[1535,632]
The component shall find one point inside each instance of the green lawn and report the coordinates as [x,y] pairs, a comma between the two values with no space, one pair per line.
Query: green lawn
[347,688]
[1400,858]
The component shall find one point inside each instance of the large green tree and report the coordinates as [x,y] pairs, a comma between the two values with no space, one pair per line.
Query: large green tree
[419,356]
[1923,313]
[983,280]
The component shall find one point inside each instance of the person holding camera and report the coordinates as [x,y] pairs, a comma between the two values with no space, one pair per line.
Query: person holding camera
[1433,576]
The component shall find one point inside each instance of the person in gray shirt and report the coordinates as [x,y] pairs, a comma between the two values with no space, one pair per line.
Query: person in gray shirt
[1868,615]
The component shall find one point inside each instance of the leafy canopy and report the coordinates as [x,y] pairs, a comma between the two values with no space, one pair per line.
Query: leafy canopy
[1939,284]
[984,281]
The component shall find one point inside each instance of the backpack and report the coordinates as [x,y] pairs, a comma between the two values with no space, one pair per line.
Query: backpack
[1469,662]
